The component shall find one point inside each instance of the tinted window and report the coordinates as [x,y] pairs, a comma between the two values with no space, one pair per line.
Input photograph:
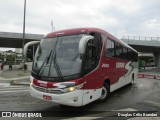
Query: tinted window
[114,49]
[118,50]
[110,50]
[124,54]
[133,56]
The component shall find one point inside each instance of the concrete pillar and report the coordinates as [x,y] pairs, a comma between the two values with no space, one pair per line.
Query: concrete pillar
[157,59]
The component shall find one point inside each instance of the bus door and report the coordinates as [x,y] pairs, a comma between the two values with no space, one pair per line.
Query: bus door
[91,72]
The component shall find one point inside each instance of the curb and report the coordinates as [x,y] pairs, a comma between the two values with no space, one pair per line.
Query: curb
[16,79]
[149,76]
[19,83]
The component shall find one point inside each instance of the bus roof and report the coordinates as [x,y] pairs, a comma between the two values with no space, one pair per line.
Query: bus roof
[87,30]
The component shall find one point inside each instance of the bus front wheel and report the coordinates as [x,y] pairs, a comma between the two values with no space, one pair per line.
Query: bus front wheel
[105,93]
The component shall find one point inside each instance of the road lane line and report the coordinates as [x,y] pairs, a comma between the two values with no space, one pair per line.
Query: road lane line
[127,109]
[4,84]
[11,89]
[14,86]
[157,104]
[83,118]
[14,91]
[144,118]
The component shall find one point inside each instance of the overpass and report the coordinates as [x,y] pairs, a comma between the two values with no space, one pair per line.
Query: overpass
[145,44]
[14,40]
[141,44]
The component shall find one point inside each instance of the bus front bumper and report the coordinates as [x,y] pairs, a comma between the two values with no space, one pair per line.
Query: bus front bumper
[74,98]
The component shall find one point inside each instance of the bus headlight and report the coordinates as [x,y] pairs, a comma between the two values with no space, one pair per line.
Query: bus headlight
[74,88]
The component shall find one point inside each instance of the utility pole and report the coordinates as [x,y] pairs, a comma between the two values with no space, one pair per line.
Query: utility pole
[23,42]
[53,29]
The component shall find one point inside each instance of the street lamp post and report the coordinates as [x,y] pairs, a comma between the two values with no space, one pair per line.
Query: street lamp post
[23,42]
[53,28]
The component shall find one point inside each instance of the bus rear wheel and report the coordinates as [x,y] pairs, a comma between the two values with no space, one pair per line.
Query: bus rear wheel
[105,93]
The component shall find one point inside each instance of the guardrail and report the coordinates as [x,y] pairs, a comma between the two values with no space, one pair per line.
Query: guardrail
[144,38]
[20,35]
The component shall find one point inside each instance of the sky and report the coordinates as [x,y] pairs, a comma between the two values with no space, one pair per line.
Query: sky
[118,17]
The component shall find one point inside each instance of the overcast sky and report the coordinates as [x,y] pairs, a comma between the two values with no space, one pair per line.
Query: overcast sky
[118,17]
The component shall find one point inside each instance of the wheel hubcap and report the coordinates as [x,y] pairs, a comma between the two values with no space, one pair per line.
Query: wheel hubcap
[104,93]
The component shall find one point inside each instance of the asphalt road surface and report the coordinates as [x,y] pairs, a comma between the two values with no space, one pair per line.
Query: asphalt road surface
[142,97]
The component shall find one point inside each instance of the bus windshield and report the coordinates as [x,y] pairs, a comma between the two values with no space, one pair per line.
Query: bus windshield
[58,57]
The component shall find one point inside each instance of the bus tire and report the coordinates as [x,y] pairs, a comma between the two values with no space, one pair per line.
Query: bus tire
[105,93]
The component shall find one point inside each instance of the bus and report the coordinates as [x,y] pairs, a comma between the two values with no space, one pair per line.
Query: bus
[75,67]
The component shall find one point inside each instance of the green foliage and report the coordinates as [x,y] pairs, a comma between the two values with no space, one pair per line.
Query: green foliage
[1,57]
[9,59]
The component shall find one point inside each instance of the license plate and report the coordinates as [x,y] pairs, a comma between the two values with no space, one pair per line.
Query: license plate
[46,97]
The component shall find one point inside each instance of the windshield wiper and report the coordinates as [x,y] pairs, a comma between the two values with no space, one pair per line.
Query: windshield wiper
[56,65]
[45,61]
[52,56]
[59,73]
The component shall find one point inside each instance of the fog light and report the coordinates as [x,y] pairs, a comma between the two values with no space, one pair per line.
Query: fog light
[75,99]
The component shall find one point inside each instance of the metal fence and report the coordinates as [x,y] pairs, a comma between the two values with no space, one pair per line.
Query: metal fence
[144,38]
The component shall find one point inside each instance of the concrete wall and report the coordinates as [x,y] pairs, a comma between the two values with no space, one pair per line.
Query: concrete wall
[157,59]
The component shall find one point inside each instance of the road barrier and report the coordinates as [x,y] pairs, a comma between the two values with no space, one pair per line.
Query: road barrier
[142,75]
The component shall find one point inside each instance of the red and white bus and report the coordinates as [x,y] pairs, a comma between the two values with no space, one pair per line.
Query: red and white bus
[77,66]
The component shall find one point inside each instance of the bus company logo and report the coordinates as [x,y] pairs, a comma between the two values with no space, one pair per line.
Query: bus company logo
[47,90]
[105,65]
[119,65]
[42,83]
[21,114]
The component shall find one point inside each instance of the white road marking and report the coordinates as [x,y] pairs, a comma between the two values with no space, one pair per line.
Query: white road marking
[11,88]
[145,118]
[14,89]
[157,104]
[83,118]
[4,84]
[127,109]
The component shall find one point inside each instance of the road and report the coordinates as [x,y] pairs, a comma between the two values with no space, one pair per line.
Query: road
[143,96]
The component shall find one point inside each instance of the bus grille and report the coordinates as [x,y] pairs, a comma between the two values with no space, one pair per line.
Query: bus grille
[48,90]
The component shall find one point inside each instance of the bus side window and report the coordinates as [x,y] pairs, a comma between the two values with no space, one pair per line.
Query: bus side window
[110,50]
[124,54]
[118,50]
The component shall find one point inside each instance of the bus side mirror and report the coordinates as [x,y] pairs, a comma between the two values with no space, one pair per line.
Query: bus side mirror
[83,43]
[27,45]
